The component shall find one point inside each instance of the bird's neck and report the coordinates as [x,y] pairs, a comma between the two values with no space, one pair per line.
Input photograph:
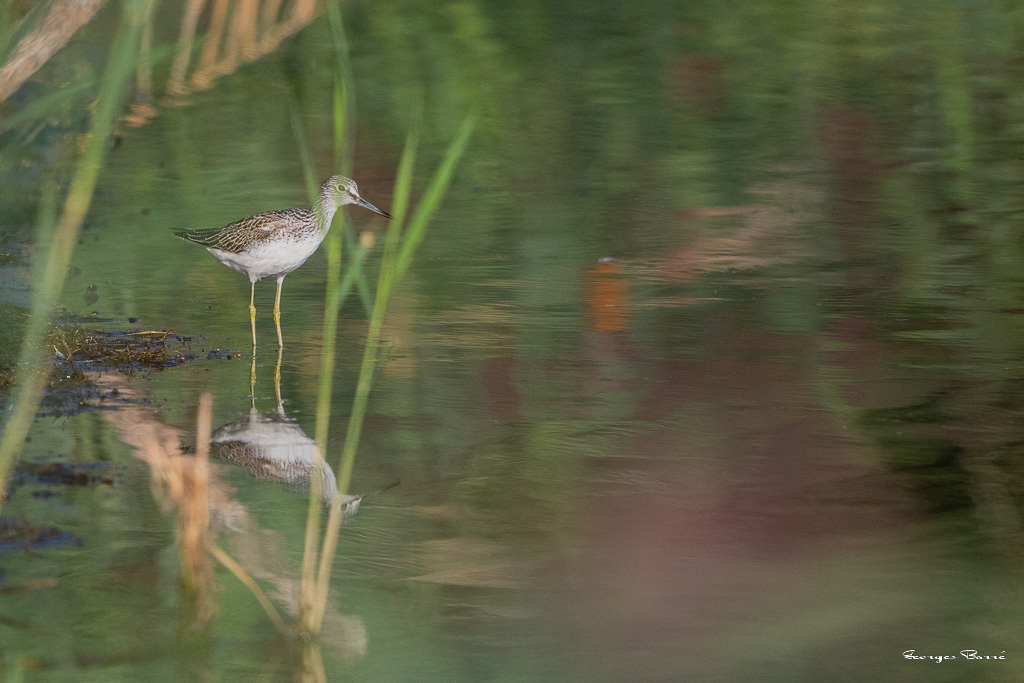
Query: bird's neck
[323,214]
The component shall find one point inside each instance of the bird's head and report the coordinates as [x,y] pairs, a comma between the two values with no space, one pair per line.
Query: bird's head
[339,190]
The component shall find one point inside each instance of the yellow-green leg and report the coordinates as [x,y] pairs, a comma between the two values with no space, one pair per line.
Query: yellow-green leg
[277,380]
[277,313]
[252,381]
[252,313]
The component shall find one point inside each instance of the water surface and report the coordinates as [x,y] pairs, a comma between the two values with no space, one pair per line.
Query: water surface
[710,367]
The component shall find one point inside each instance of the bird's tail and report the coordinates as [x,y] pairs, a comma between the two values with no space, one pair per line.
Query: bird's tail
[203,237]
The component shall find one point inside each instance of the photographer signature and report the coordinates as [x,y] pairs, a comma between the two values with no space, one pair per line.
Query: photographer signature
[964,654]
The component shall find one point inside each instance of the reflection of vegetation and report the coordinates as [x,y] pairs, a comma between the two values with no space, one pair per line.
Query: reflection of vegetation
[48,27]
[237,31]
[398,250]
[34,357]
[845,174]
[399,247]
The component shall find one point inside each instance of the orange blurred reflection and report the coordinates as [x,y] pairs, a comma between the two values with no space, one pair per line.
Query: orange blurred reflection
[606,294]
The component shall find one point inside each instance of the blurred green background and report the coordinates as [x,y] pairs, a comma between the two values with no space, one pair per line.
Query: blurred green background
[710,367]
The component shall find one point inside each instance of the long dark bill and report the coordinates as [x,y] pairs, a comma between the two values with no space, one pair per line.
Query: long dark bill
[367,205]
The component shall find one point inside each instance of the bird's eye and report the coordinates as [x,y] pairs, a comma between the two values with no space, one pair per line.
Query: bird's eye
[341,188]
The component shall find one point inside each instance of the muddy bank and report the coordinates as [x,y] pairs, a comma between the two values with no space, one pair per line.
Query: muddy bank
[79,349]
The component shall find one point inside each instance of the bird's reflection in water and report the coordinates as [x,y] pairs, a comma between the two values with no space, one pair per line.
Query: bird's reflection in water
[272,447]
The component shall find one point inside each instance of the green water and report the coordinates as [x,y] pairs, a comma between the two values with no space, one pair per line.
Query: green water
[711,365]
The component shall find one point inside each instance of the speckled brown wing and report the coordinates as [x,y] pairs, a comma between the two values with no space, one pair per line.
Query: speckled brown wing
[238,236]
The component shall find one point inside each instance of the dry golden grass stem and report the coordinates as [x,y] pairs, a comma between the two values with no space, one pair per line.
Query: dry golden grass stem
[202,459]
[182,483]
[312,663]
[64,18]
[205,71]
[247,26]
[189,23]
[177,483]
[151,333]
[250,583]
[176,477]
[142,109]
[240,31]
[271,10]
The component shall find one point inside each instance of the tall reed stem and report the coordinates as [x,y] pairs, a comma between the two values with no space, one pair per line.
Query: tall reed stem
[398,252]
[34,369]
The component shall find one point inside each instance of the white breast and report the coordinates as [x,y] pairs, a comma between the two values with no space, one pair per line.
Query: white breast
[267,259]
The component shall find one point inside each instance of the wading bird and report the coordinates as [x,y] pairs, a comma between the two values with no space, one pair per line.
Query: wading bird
[274,243]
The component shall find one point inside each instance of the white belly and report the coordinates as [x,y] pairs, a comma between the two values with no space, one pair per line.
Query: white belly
[267,259]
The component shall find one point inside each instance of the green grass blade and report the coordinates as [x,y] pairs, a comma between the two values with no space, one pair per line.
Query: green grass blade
[352,272]
[308,167]
[344,123]
[403,183]
[336,292]
[345,106]
[341,146]
[403,186]
[390,273]
[33,371]
[385,280]
[325,384]
[41,107]
[334,296]
[360,278]
[431,199]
